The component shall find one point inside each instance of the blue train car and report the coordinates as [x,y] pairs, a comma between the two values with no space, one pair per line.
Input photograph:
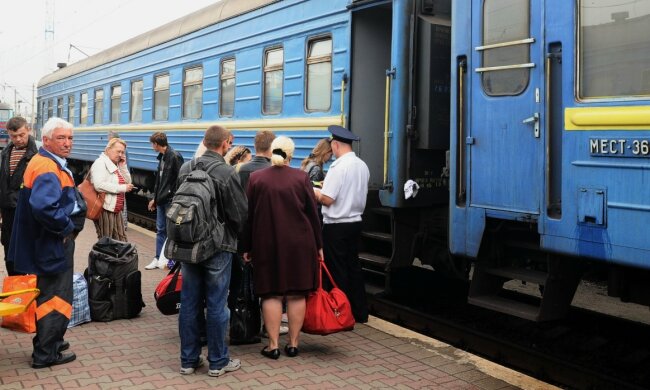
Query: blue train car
[6,112]
[549,148]
[521,128]
[247,65]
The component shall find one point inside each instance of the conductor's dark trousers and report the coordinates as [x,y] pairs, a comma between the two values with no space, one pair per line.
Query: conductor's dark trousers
[53,309]
[341,250]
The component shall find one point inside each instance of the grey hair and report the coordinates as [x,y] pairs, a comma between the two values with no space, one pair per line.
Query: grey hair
[53,124]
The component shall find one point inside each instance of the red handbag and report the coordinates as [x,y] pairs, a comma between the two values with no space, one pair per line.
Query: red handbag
[168,291]
[327,312]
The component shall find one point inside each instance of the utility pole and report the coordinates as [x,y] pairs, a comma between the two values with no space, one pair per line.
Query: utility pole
[34,108]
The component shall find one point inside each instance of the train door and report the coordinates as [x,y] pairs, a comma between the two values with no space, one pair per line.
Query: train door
[505,147]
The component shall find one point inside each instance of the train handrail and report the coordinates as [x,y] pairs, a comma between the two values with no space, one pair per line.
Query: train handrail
[389,75]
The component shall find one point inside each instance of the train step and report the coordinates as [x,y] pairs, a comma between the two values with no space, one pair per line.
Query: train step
[373,260]
[380,236]
[559,285]
[507,306]
[514,273]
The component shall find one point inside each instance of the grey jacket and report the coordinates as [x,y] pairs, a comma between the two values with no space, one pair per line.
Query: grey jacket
[231,199]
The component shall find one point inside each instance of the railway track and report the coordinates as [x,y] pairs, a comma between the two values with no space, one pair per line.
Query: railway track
[588,350]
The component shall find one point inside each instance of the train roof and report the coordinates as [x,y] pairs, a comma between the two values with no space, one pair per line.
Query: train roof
[212,14]
[5,106]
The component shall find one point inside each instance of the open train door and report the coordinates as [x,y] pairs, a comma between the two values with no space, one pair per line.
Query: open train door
[505,140]
[370,57]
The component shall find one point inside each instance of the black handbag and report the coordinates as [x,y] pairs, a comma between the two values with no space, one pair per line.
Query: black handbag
[245,317]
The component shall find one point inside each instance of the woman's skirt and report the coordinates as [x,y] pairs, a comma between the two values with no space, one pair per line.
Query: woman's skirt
[111,225]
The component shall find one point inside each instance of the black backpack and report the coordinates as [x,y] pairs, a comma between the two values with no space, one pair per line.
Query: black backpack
[193,226]
[114,282]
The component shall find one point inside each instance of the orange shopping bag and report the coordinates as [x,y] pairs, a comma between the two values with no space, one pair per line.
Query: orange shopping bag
[23,322]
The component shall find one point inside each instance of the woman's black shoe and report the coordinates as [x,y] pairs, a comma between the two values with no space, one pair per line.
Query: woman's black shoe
[291,351]
[272,354]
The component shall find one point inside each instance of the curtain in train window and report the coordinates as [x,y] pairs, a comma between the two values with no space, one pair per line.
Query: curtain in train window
[273,79]
[59,107]
[506,26]
[83,109]
[136,101]
[614,54]
[227,105]
[319,74]
[99,106]
[193,93]
[50,108]
[161,98]
[71,109]
[116,103]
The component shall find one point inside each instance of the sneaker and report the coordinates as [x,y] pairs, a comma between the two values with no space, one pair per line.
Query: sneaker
[233,365]
[190,370]
[153,264]
[162,263]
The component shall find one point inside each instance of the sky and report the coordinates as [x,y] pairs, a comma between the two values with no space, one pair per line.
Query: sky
[89,25]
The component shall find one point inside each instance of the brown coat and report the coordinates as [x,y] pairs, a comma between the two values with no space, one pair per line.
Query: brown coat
[283,234]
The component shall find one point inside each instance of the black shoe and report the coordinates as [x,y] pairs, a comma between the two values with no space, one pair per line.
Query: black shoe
[63,358]
[64,346]
[272,354]
[291,351]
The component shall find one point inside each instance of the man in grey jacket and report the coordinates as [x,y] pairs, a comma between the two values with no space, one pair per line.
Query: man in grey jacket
[208,281]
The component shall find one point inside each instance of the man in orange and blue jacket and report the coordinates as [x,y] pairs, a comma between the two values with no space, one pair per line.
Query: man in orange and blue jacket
[49,215]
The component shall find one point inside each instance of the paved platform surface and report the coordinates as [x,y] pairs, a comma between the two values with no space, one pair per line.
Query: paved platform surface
[143,353]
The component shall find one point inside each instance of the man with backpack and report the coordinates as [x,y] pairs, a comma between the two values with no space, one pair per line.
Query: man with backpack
[206,246]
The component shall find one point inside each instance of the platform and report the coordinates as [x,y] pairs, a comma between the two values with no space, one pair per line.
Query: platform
[143,353]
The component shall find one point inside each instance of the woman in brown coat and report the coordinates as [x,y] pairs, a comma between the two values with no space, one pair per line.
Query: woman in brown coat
[283,240]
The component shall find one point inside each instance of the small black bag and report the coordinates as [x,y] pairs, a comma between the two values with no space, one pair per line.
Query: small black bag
[245,318]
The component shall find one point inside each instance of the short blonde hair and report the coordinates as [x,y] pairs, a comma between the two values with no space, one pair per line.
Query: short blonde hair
[113,141]
[282,145]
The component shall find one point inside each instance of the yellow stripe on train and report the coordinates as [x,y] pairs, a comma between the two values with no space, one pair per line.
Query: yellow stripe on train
[607,118]
[287,124]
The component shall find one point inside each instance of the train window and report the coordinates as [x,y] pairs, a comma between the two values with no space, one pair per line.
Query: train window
[506,22]
[136,101]
[319,74]
[50,108]
[99,106]
[116,101]
[273,78]
[83,109]
[42,116]
[71,109]
[193,93]
[161,98]
[613,49]
[227,101]
[59,107]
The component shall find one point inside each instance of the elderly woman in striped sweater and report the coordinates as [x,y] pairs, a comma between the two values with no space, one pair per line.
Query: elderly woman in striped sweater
[110,174]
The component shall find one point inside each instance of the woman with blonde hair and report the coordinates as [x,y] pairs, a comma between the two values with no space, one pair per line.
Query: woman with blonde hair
[283,240]
[313,164]
[238,155]
[109,174]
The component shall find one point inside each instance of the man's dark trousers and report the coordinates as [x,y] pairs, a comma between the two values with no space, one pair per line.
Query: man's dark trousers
[5,236]
[341,250]
[53,310]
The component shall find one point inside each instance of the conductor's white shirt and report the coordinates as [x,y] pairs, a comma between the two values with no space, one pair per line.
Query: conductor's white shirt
[347,183]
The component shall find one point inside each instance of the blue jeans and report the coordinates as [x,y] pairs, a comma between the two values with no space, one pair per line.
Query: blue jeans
[161,227]
[207,282]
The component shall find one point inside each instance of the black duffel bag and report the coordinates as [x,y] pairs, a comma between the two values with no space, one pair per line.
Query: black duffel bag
[245,318]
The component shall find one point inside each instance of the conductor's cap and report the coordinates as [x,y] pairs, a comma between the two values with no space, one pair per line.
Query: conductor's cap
[342,134]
